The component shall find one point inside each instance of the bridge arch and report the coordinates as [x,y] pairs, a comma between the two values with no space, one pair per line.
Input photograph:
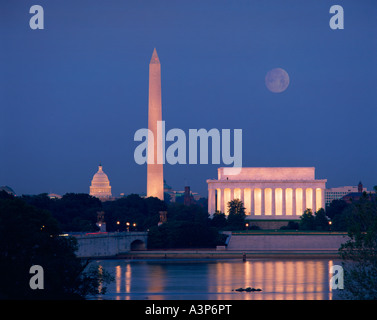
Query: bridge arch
[137,245]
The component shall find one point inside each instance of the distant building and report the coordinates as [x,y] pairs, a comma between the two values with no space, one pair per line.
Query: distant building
[339,192]
[8,190]
[188,199]
[180,196]
[169,190]
[355,196]
[100,186]
[352,197]
[54,196]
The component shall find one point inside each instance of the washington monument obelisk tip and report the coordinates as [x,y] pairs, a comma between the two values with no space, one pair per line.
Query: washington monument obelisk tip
[155,176]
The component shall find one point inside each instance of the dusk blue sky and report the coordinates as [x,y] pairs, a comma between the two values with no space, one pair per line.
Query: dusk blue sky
[73,95]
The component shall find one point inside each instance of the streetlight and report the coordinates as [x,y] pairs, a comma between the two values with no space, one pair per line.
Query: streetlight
[118,223]
[128,226]
[247,226]
[134,225]
[330,223]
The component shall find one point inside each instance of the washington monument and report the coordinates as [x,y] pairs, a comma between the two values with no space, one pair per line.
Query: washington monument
[155,176]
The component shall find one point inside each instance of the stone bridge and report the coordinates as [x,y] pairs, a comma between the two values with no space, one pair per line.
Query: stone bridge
[109,244]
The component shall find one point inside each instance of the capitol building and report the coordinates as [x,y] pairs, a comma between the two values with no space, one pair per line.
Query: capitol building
[100,186]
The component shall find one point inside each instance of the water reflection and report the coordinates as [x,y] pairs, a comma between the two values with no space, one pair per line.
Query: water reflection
[282,279]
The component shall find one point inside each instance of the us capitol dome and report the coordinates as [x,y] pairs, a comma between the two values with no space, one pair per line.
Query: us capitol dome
[100,186]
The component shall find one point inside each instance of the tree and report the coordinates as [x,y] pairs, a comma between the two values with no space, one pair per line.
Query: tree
[219,220]
[359,253]
[74,212]
[187,227]
[195,213]
[77,212]
[316,221]
[133,209]
[236,207]
[292,225]
[182,234]
[307,221]
[336,208]
[236,217]
[30,236]
[321,221]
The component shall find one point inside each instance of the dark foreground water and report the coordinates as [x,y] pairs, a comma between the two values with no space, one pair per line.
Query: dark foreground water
[282,279]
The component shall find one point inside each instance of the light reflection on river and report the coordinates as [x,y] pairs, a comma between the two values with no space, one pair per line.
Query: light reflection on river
[281,279]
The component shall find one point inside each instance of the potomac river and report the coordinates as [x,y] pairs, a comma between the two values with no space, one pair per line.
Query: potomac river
[210,279]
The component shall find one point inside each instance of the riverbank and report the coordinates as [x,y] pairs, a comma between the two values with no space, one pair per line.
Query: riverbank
[198,254]
[253,244]
[258,244]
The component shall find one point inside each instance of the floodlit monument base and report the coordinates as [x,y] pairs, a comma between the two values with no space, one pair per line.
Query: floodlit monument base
[267,193]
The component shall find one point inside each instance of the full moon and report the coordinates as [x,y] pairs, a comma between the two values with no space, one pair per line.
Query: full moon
[277,80]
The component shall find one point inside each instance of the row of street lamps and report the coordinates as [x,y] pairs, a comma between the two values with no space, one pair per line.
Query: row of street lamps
[128,224]
[134,225]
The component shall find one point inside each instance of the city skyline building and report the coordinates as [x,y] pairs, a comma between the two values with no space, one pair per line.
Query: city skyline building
[179,195]
[338,193]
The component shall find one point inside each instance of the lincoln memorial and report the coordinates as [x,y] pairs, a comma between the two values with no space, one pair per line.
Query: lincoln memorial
[267,193]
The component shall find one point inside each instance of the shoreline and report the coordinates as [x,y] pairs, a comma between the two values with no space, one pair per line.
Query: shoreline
[200,254]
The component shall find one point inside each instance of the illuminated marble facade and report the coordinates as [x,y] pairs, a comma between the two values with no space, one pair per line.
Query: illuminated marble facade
[268,193]
[155,175]
[100,186]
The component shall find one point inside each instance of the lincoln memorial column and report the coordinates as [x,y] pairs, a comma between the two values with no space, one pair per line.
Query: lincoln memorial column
[303,200]
[262,206]
[242,196]
[222,200]
[231,194]
[211,201]
[273,202]
[323,198]
[314,199]
[283,205]
[252,210]
[294,201]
